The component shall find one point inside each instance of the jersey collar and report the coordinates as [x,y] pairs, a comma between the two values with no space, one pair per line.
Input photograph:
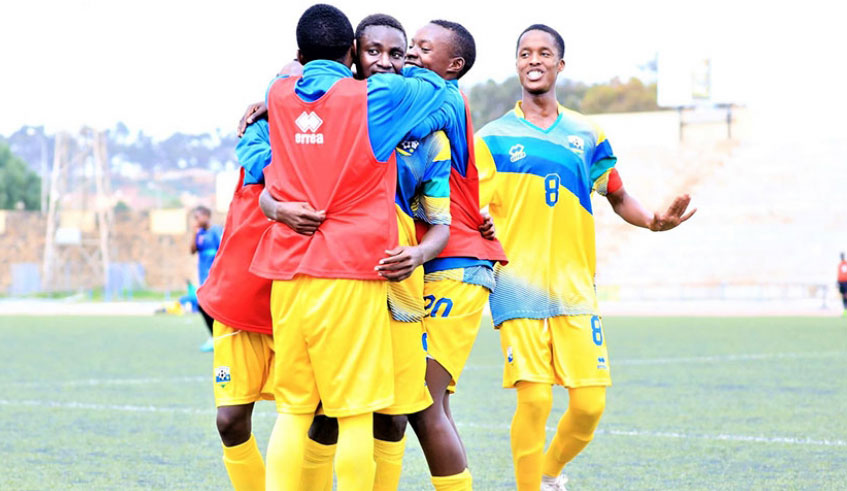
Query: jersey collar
[519,113]
[326,67]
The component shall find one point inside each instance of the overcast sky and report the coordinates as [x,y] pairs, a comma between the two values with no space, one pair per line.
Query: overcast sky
[192,66]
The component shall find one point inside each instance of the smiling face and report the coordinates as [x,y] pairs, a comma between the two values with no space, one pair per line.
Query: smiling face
[432,48]
[381,49]
[539,62]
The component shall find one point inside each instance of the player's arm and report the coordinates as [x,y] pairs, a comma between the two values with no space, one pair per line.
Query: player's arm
[402,260]
[433,209]
[299,216]
[633,212]
[254,112]
[259,110]
[253,152]
[396,104]
[437,121]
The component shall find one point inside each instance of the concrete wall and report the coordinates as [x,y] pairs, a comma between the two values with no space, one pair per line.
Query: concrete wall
[165,258]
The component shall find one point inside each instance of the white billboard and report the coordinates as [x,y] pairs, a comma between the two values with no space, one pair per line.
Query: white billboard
[688,77]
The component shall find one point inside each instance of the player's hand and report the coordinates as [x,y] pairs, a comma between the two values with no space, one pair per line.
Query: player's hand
[400,263]
[254,111]
[300,216]
[674,215]
[487,228]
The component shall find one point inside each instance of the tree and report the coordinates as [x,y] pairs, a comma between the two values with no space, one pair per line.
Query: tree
[490,100]
[19,186]
[619,97]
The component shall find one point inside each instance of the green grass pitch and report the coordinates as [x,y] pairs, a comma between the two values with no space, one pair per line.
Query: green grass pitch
[698,403]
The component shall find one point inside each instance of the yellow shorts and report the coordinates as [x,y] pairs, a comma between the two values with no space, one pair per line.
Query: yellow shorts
[243,363]
[454,311]
[410,392]
[331,338]
[564,350]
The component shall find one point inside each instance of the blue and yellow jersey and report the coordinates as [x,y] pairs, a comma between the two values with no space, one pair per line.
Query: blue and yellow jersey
[423,181]
[423,193]
[537,184]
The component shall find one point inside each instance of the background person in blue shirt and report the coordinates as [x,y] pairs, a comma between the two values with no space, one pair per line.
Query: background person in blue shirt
[205,242]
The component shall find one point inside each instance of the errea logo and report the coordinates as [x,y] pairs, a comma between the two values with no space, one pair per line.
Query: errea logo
[517,153]
[308,122]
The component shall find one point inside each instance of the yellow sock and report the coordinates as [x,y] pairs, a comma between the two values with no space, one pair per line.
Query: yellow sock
[527,433]
[354,459]
[286,450]
[245,466]
[576,428]
[457,482]
[389,463]
[317,466]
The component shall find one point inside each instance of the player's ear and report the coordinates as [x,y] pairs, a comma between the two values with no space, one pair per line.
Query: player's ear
[456,65]
[301,58]
[351,54]
[561,65]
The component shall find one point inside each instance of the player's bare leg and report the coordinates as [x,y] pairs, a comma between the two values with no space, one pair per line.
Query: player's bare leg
[439,439]
[449,414]
[235,423]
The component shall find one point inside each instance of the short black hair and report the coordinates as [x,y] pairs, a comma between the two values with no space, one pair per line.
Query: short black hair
[204,210]
[560,43]
[324,33]
[378,20]
[464,45]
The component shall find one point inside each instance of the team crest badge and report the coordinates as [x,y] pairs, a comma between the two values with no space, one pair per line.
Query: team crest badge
[509,356]
[222,376]
[517,153]
[409,146]
[576,143]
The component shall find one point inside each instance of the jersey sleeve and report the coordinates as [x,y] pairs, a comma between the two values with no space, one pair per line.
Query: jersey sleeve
[487,171]
[602,163]
[396,104]
[254,151]
[435,184]
[439,120]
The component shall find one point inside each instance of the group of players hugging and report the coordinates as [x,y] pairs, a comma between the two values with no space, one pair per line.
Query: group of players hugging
[356,262]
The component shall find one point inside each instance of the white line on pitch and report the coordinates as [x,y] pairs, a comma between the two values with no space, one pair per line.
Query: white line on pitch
[686,436]
[742,357]
[726,437]
[107,407]
[210,413]
[91,382]
[703,359]
[643,361]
